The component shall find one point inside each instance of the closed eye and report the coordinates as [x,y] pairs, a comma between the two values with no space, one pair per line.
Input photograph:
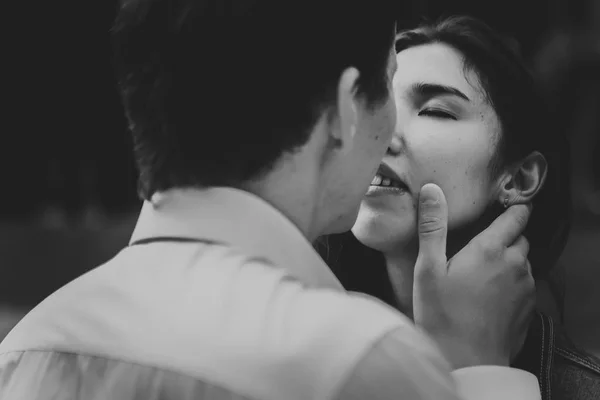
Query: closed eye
[436,113]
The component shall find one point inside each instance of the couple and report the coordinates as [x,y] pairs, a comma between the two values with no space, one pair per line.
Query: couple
[253,137]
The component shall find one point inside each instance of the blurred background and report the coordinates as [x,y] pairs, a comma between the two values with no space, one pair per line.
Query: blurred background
[69,197]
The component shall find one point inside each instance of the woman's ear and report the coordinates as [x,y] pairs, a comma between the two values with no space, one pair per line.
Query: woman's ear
[525,181]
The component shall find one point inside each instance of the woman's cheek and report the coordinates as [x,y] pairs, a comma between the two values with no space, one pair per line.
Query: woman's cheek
[465,205]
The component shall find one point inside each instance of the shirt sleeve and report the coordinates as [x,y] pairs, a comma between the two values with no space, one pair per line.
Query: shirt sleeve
[496,383]
[404,364]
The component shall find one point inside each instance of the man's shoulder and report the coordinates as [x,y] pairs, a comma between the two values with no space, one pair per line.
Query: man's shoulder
[258,283]
[241,308]
[204,293]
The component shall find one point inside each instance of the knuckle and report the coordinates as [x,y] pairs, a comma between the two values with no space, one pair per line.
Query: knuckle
[522,241]
[430,225]
[531,282]
[527,280]
[520,260]
[488,249]
[527,290]
[521,219]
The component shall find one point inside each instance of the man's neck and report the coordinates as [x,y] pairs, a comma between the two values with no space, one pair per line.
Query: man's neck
[295,184]
[292,196]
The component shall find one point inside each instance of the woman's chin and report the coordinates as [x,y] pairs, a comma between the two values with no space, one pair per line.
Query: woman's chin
[384,233]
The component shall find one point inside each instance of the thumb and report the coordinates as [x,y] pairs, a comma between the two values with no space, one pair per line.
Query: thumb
[433,228]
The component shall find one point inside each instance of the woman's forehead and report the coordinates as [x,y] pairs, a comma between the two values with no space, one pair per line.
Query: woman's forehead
[436,63]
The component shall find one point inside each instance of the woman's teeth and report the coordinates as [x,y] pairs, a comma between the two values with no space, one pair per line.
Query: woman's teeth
[379,180]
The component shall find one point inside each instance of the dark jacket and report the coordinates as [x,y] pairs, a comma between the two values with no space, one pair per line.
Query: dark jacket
[564,371]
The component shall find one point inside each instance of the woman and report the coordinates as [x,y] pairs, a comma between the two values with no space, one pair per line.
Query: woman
[470,119]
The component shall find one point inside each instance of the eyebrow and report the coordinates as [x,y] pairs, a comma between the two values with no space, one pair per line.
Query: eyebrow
[423,89]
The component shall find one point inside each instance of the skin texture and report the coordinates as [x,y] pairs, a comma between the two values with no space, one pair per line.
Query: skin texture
[351,166]
[440,138]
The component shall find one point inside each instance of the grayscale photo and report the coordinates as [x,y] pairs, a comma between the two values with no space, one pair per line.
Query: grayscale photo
[301,200]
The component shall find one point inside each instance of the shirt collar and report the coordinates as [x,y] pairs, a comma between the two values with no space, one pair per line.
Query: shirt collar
[239,219]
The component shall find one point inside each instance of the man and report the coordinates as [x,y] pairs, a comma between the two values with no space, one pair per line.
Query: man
[254,135]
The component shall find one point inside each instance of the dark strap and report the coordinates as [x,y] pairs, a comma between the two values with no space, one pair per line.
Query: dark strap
[171,239]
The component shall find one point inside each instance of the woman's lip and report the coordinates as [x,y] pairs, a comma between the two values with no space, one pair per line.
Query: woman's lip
[387,172]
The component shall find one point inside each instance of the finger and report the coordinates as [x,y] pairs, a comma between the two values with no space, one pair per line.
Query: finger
[528,266]
[508,226]
[521,245]
[517,260]
[432,228]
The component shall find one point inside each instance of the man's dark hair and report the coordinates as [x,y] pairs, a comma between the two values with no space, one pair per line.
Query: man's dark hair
[217,91]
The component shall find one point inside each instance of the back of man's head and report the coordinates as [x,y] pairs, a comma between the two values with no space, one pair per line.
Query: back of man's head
[216,91]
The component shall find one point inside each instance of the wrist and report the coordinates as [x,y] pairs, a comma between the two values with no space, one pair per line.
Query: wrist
[462,354]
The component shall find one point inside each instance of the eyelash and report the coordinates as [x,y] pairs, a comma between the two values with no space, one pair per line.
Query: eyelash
[437,114]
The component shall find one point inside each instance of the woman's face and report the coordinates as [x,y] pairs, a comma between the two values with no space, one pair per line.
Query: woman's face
[446,133]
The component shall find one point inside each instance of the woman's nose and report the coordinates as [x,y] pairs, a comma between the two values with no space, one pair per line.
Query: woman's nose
[395,146]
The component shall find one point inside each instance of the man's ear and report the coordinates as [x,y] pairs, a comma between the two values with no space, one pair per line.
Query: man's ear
[342,133]
[524,180]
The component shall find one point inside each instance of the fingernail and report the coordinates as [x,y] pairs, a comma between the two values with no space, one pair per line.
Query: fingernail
[430,199]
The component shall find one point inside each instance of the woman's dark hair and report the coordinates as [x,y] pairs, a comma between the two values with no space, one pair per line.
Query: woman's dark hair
[526,127]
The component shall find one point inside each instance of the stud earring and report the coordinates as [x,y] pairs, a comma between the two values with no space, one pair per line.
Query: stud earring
[506,202]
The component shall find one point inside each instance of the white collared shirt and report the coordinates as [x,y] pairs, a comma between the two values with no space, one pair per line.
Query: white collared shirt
[220,296]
